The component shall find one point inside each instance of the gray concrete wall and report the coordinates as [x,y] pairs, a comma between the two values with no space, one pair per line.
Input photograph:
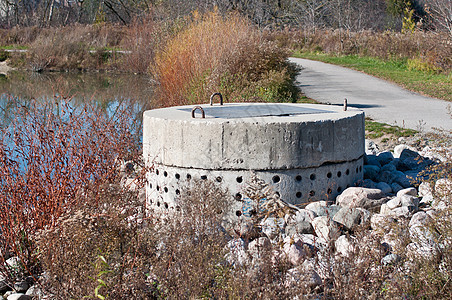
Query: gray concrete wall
[307,152]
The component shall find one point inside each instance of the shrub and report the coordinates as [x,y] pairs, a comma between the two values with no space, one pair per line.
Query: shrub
[99,247]
[190,257]
[68,48]
[421,65]
[48,154]
[58,51]
[216,54]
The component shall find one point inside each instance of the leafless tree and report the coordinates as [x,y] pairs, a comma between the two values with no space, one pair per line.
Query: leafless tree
[441,13]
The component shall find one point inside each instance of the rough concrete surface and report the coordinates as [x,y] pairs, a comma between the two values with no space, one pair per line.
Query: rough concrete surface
[307,152]
[380,100]
[282,141]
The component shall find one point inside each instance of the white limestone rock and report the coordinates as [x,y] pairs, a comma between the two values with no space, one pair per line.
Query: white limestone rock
[381,222]
[348,217]
[360,197]
[408,191]
[344,246]
[301,222]
[326,228]
[236,253]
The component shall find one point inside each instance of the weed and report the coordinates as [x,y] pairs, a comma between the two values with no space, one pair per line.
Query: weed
[421,65]
[377,130]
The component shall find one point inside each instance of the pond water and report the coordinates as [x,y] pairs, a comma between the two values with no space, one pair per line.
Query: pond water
[105,90]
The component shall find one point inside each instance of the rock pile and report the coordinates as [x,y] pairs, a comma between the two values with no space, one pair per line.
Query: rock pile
[389,201]
[392,213]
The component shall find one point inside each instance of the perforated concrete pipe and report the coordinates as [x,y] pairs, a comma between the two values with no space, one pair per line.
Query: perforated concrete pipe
[307,152]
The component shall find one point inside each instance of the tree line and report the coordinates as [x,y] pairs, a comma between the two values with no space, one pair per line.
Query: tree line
[345,14]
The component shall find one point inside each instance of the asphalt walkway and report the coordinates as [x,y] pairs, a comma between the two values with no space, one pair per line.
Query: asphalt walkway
[381,100]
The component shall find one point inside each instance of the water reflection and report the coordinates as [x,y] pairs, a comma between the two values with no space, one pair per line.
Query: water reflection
[103,89]
[109,92]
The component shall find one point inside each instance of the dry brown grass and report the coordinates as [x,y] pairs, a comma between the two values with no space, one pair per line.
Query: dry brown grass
[184,257]
[142,38]
[99,243]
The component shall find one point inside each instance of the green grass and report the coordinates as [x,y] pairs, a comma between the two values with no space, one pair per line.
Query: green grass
[376,130]
[14,47]
[395,70]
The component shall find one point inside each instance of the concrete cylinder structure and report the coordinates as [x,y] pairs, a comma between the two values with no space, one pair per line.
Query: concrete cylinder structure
[307,152]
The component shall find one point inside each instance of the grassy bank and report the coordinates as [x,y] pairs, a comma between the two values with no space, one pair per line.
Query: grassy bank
[410,74]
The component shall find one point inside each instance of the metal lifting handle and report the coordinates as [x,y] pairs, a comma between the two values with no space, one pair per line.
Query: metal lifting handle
[203,115]
[345,104]
[215,94]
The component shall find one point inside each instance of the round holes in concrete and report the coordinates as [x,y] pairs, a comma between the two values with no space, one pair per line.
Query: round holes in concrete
[276,179]
[360,168]
[150,185]
[238,213]
[188,176]
[157,171]
[312,176]
[312,193]
[158,188]
[298,178]
[329,175]
[158,203]
[347,172]
[165,174]
[356,170]
[204,177]
[339,174]
[165,189]
[166,205]
[177,192]
[339,189]
[238,197]
[298,194]
[177,176]
[219,179]
[239,179]
[277,193]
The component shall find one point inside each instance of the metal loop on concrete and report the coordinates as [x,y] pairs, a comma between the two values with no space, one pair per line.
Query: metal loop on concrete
[215,94]
[345,104]
[203,115]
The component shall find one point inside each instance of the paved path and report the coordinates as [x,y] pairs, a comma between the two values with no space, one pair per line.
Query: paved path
[380,100]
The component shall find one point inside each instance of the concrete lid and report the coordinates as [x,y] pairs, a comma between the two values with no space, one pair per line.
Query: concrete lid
[249,112]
